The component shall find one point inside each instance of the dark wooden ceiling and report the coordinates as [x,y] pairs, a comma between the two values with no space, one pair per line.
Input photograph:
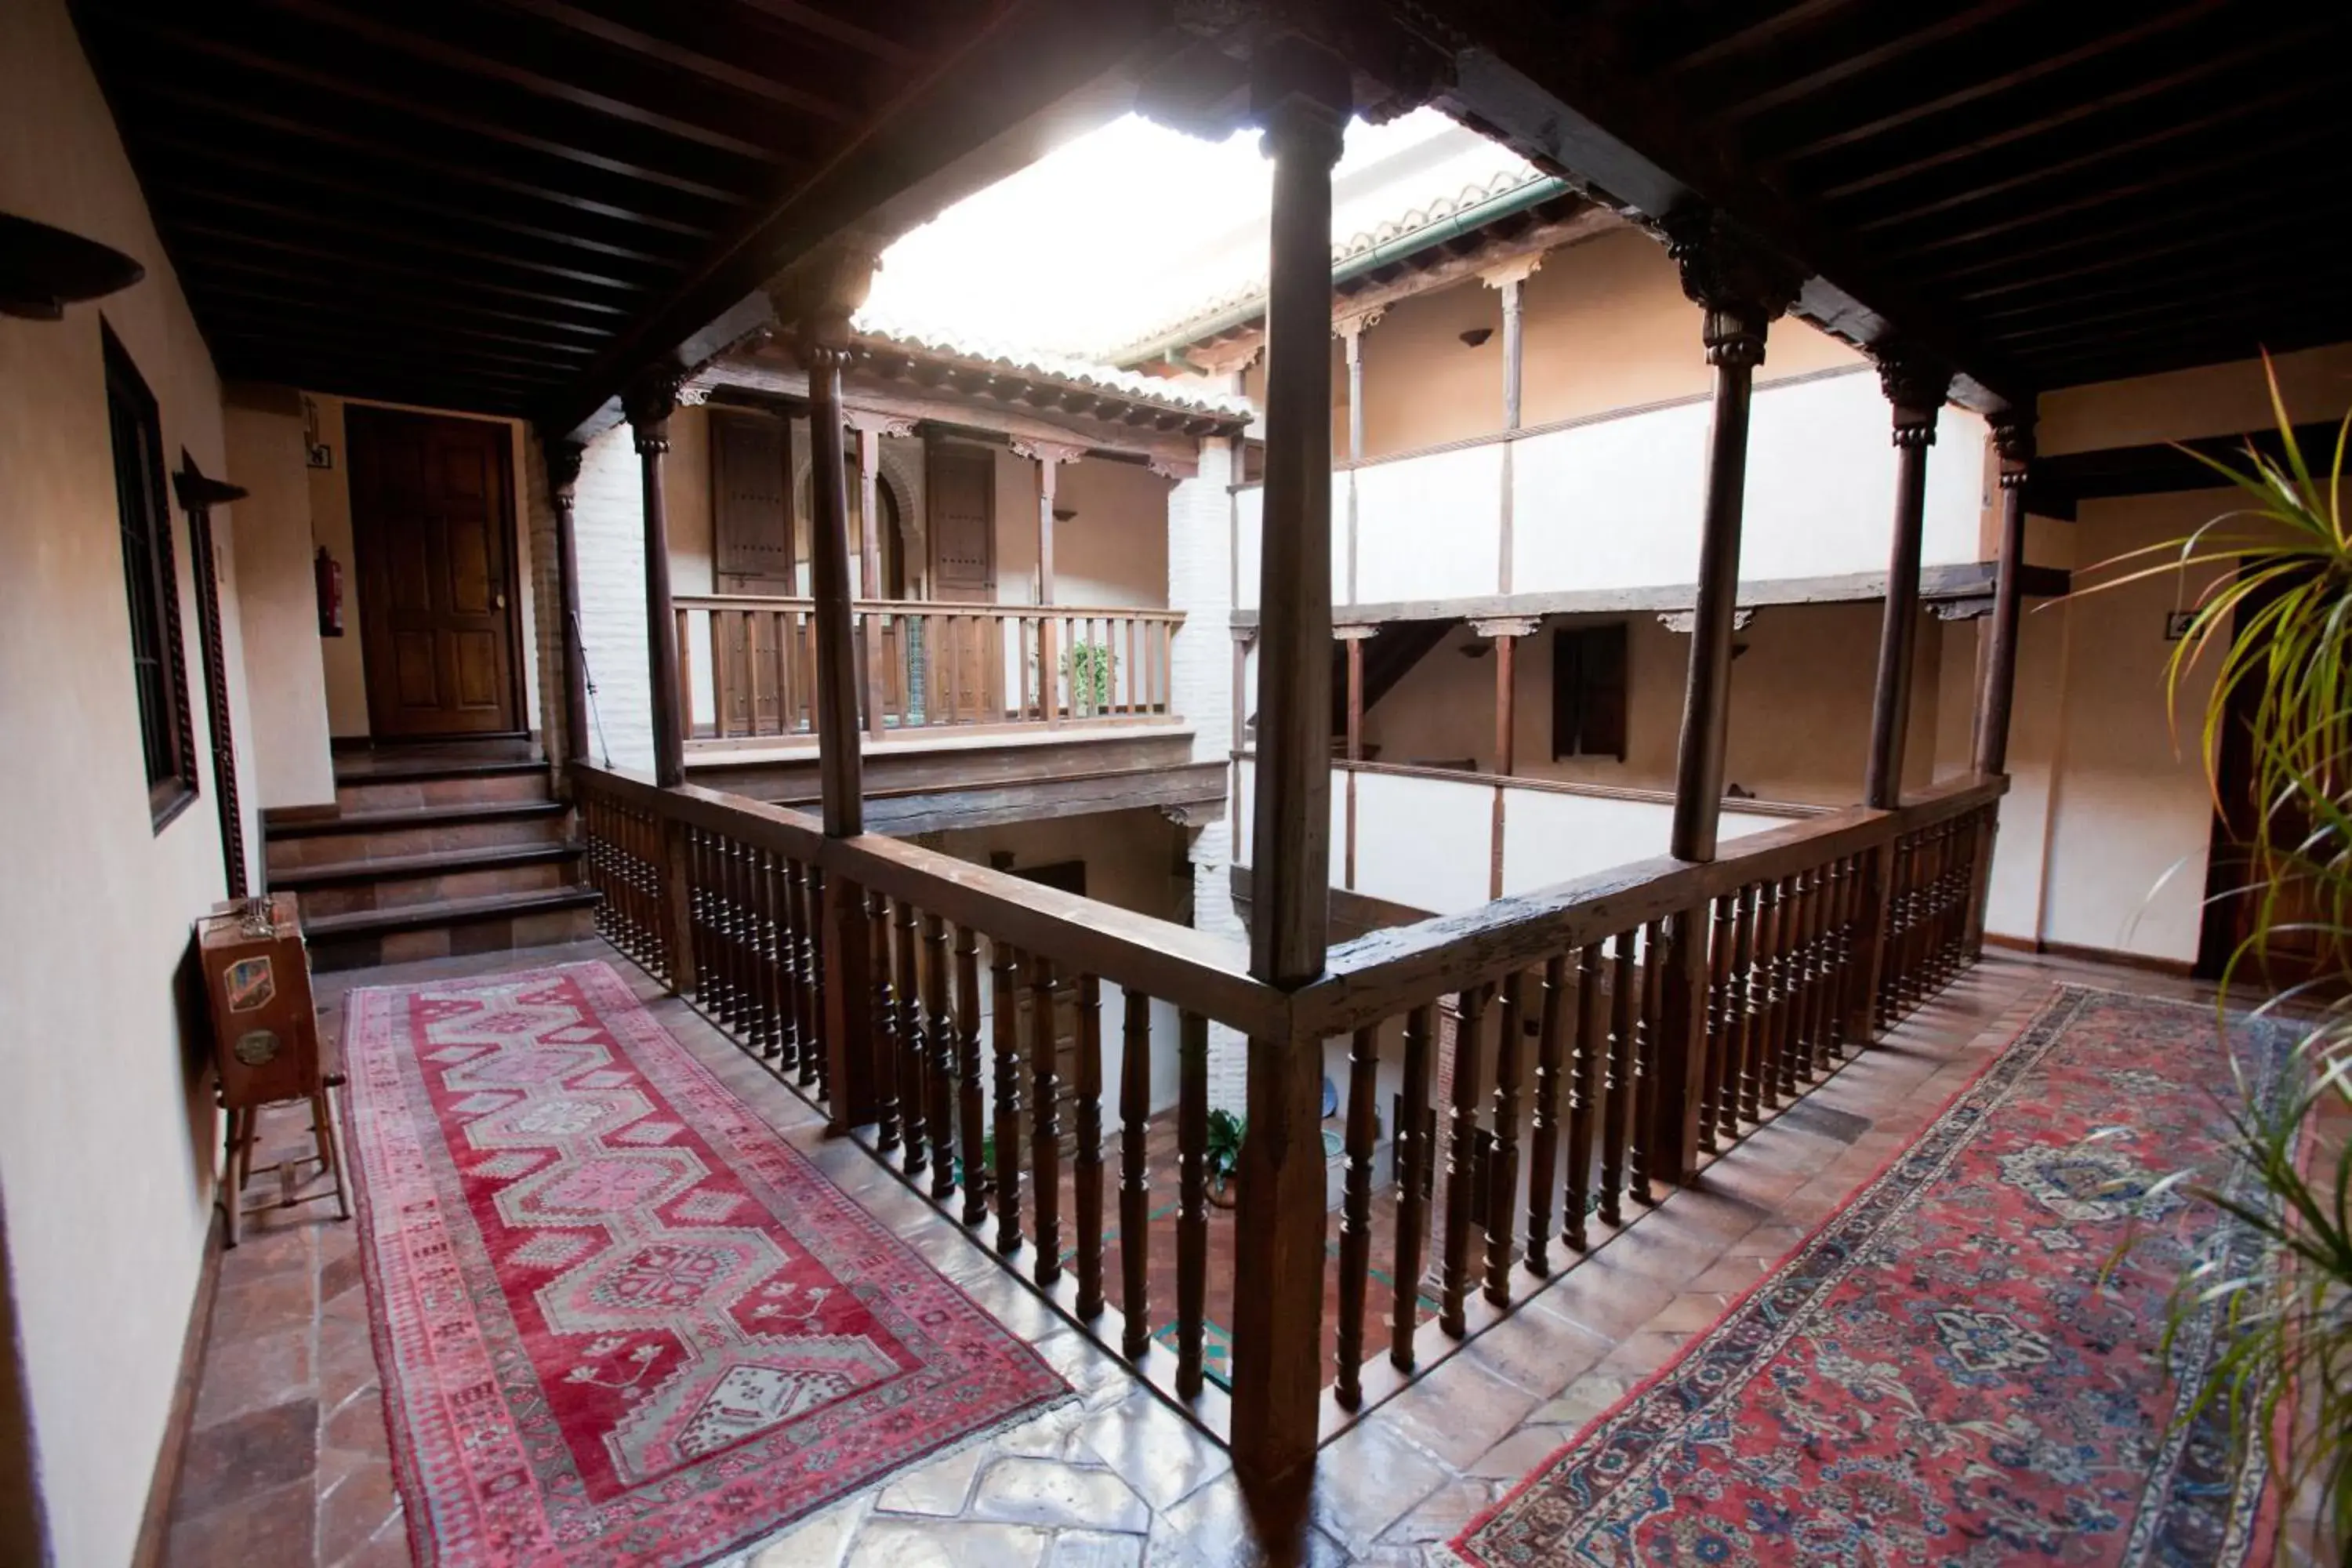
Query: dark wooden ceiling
[511,206]
[2051,191]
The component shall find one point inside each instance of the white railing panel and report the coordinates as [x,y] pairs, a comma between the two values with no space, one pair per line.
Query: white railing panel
[1424,842]
[1613,504]
[1549,836]
[1430,527]
[1250,516]
[1617,503]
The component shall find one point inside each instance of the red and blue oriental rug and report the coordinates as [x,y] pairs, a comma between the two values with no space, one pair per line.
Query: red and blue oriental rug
[1959,1367]
[619,1319]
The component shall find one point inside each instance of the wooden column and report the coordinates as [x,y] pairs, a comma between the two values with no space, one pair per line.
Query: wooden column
[1351,333]
[1740,289]
[648,405]
[1353,639]
[1508,280]
[816,299]
[1048,456]
[563,484]
[1504,634]
[1301,95]
[869,573]
[2012,434]
[1914,390]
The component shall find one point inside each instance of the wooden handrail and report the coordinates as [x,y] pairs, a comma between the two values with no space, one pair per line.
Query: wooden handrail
[1748,804]
[1195,970]
[1385,972]
[928,607]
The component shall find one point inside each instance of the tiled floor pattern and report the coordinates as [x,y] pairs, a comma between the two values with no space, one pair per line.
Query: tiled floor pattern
[288,1466]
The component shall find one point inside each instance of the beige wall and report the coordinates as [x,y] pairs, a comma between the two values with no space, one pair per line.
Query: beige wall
[1801,699]
[285,669]
[330,521]
[106,1126]
[1607,327]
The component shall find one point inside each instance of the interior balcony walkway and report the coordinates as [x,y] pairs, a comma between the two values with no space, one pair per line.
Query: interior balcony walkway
[288,1464]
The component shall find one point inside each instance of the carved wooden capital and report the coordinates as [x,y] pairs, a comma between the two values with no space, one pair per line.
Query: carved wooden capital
[1354,633]
[2013,438]
[1686,621]
[1352,325]
[1506,627]
[562,469]
[876,422]
[1047,451]
[1741,286]
[816,295]
[1173,467]
[1963,609]
[1517,269]
[1301,93]
[648,402]
[692,394]
[1916,385]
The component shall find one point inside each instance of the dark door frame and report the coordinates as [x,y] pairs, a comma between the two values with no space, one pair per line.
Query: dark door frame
[518,570]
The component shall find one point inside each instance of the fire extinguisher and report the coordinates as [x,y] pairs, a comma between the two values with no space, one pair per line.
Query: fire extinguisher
[329,574]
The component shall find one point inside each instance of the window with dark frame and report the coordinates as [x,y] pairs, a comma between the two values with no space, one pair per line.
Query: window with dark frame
[150,583]
[1588,691]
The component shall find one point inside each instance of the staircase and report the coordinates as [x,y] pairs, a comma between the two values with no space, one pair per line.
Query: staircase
[431,851]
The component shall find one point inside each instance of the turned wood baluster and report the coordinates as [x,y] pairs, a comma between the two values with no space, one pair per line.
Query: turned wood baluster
[1795,1068]
[1584,1095]
[939,1044]
[1412,1155]
[914,1073]
[1503,1174]
[1044,1122]
[1647,1045]
[1087,1168]
[706,990]
[1191,1200]
[1743,1094]
[1715,1090]
[1356,1214]
[886,1055]
[726,865]
[788,966]
[1845,902]
[1617,1095]
[1821,1008]
[1134,1181]
[816,1068]
[1004,977]
[1773,908]
[1543,1150]
[1462,1138]
[767,987]
[970,1100]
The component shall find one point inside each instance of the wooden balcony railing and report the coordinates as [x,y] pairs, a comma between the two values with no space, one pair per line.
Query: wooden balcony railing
[934,1014]
[970,667]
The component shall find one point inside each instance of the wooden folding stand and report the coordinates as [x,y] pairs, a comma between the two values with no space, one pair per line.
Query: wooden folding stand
[264,1037]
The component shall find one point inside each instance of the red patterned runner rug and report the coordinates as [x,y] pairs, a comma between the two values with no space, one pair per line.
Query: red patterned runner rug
[619,1319]
[1941,1374]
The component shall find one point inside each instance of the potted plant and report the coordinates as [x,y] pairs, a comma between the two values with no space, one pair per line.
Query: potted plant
[2278,620]
[1225,1155]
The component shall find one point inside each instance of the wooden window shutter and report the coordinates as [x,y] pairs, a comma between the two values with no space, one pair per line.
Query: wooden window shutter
[750,494]
[1588,691]
[1604,692]
[1567,691]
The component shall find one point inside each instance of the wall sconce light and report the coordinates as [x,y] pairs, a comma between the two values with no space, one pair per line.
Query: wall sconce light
[1477,336]
[43,270]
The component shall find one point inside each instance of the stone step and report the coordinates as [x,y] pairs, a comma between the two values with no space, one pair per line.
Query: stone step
[398,834]
[398,786]
[346,887]
[365,938]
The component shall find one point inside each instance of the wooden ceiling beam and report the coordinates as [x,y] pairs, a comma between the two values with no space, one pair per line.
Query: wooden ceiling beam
[207,271]
[281,130]
[238,239]
[740,73]
[260,306]
[476,124]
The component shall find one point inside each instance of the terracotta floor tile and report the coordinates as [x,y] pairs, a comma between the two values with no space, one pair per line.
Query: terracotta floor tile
[246,1456]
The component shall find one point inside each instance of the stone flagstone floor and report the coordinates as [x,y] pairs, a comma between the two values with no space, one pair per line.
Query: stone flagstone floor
[288,1464]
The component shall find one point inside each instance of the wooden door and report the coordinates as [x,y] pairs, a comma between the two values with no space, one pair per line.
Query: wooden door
[433,526]
[2302,948]
[961,495]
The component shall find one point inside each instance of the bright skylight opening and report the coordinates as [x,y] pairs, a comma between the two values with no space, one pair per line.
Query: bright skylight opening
[1133,227]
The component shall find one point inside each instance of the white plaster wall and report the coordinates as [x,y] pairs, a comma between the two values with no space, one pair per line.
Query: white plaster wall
[106,1131]
[1549,837]
[1429,528]
[1425,843]
[609,530]
[1199,582]
[289,763]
